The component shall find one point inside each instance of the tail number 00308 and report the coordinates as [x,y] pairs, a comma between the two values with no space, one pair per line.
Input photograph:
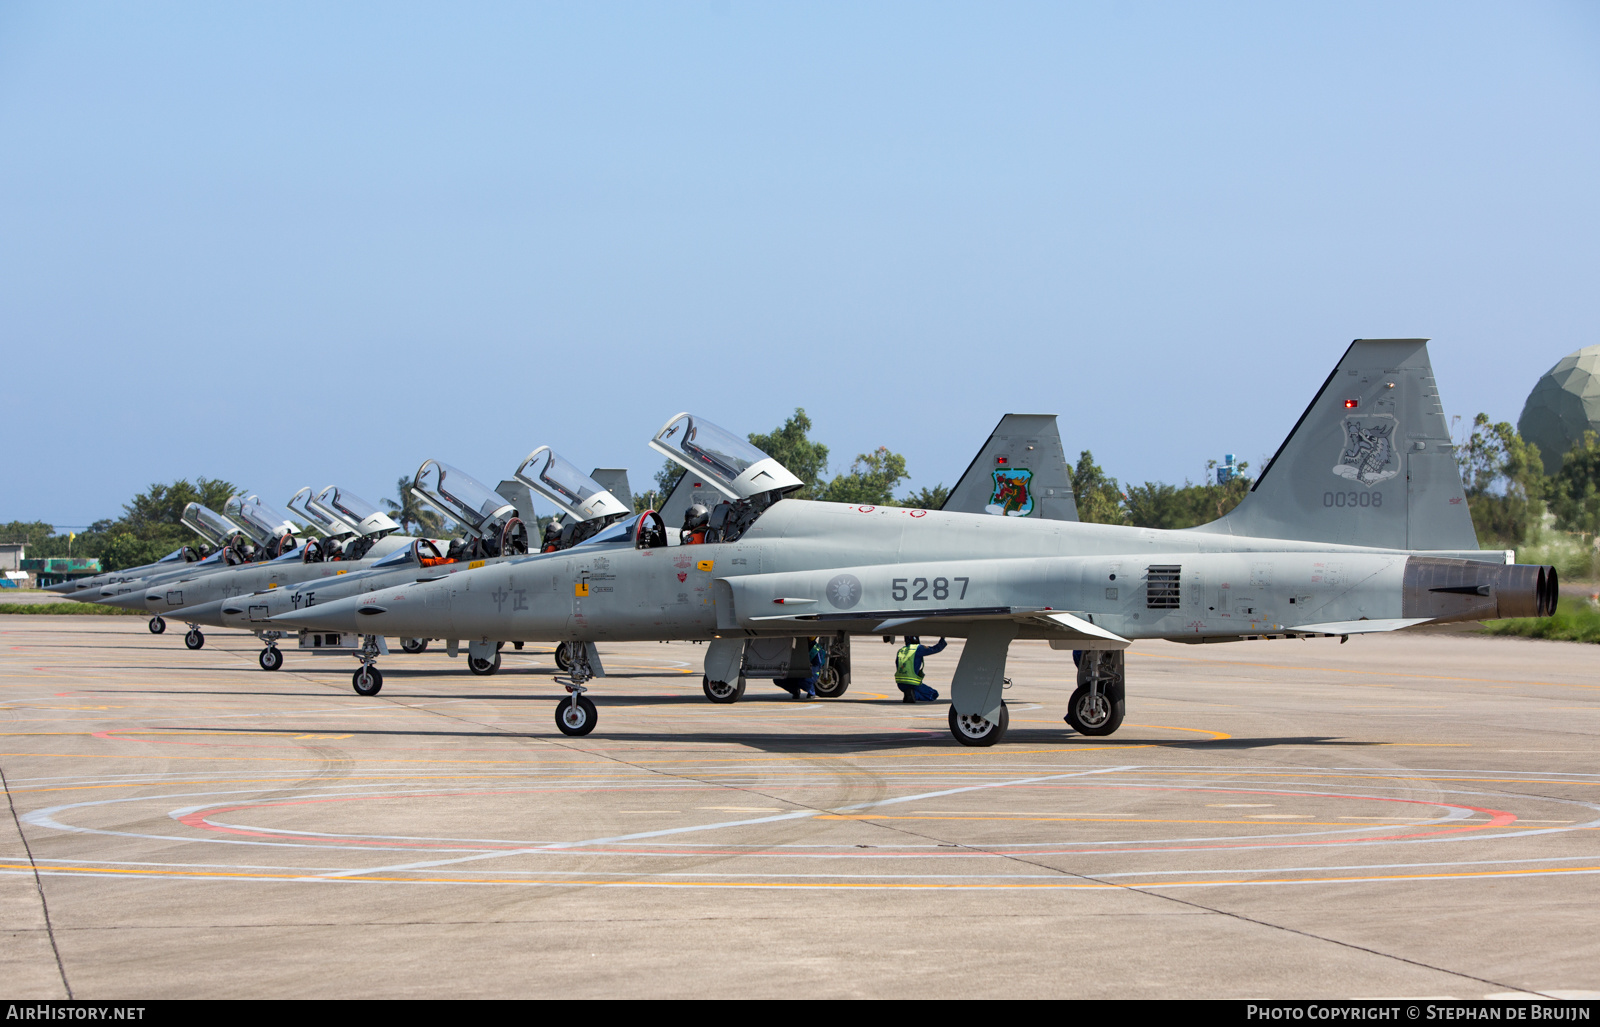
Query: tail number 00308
[918,589]
[1352,498]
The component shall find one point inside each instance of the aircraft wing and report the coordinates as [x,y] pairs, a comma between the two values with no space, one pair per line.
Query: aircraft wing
[1358,627]
[1066,630]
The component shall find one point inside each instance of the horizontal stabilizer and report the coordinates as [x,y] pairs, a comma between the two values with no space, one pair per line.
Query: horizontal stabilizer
[1358,627]
[1021,471]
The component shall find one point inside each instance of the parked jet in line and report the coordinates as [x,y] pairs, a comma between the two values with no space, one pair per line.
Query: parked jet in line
[1358,524]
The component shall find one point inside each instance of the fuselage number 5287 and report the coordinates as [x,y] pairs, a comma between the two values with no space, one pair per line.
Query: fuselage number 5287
[921,589]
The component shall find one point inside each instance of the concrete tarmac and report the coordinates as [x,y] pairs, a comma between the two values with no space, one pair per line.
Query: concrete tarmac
[1401,816]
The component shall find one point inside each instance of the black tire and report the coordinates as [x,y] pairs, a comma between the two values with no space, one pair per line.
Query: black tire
[195,639]
[976,731]
[831,684]
[1095,714]
[271,658]
[576,715]
[722,691]
[158,625]
[367,680]
[478,666]
[414,645]
[563,657]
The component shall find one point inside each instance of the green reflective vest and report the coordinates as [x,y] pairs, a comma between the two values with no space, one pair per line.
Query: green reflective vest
[905,666]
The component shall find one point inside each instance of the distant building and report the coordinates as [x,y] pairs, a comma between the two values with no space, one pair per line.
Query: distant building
[1228,469]
[1564,404]
[52,570]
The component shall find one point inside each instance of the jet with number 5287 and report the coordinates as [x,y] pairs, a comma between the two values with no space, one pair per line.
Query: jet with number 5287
[1358,524]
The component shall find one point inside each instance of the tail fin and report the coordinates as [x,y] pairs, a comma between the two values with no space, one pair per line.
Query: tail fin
[1370,462]
[688,491]
[1021,471]
[517,494]
[615,481]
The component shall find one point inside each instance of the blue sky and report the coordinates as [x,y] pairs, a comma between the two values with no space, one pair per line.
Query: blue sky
[292,244]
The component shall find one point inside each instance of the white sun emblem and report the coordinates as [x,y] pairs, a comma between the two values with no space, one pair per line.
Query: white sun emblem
[844,591]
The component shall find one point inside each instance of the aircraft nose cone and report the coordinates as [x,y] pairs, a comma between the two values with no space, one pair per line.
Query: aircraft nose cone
[333,615]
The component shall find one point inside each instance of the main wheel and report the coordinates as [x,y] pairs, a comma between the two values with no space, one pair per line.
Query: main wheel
[971,729]
[722,691]
[271,658]
[576,715]
[157,625]
[478,666]
[1095,713]
[831,684]
[194,639]
[563,657]
[368,680]
[414,645]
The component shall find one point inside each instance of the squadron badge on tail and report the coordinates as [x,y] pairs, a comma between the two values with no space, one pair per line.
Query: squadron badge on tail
[1013,494]
[1369,455]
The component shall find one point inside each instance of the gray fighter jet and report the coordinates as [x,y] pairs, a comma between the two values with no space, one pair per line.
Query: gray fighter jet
[1357,525]
[552,477]
[196,597]
[213,529]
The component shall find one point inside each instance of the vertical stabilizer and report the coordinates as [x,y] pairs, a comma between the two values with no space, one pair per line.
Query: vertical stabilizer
[1021,471]
[1370,462]
[615,481]
[689,491]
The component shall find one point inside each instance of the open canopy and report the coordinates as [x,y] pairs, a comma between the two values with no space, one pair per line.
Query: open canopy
[353,510]
[325,520]
[208,524]
[261,520]
[461,497]
[572,491]
[730,464]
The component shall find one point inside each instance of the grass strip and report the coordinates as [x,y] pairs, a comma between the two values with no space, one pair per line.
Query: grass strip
[1575,620]
[89,609]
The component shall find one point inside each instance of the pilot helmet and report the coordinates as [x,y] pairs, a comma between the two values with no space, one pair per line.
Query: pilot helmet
[695,516]
[205,550]
[552,530]
[456,548]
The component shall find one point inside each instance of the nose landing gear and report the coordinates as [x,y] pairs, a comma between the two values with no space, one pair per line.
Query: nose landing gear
[195,639]
[158,625]
[270,658]
[576,714]
[367,680]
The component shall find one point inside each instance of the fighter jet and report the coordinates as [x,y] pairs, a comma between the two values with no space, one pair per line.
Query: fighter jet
[1357,525]
[213,529]
[553,477]
[196,598]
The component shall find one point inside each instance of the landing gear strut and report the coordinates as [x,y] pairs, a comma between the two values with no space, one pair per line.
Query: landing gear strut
[157,625]
[1098,704]
[367,679]
[576,714]
[195,638]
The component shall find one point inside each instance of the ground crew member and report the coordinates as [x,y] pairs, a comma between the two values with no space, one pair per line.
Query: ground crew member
[908,669]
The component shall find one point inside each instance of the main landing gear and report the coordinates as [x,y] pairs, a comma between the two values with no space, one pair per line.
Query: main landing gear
[414,645]
[576,715]
[158,625]
[1100,700]
[479,666]
[971,729]
[723,691]
[564,657]
[195,639]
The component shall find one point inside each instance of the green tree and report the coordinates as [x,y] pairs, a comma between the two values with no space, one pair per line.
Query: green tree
[926,498]
[1574,492]
[161,506]
[30,533]
[871,480]
[790,444]
[1505,484]
[1098,496]
[413,515]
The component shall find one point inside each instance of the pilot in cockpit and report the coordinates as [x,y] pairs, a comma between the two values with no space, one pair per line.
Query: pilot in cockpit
[694,525]
[552,537]
[457,550]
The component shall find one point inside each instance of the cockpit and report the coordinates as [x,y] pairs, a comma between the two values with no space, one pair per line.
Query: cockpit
[492,521]
[589,507]
[748,480]
[208,524]
[324,520]
[640,531]
[352,509]
[422,553]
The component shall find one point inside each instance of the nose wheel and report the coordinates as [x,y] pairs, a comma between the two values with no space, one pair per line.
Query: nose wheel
[195,639]
[576,715]
[158,625]
[271,658]
[368,680]
[971,729]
